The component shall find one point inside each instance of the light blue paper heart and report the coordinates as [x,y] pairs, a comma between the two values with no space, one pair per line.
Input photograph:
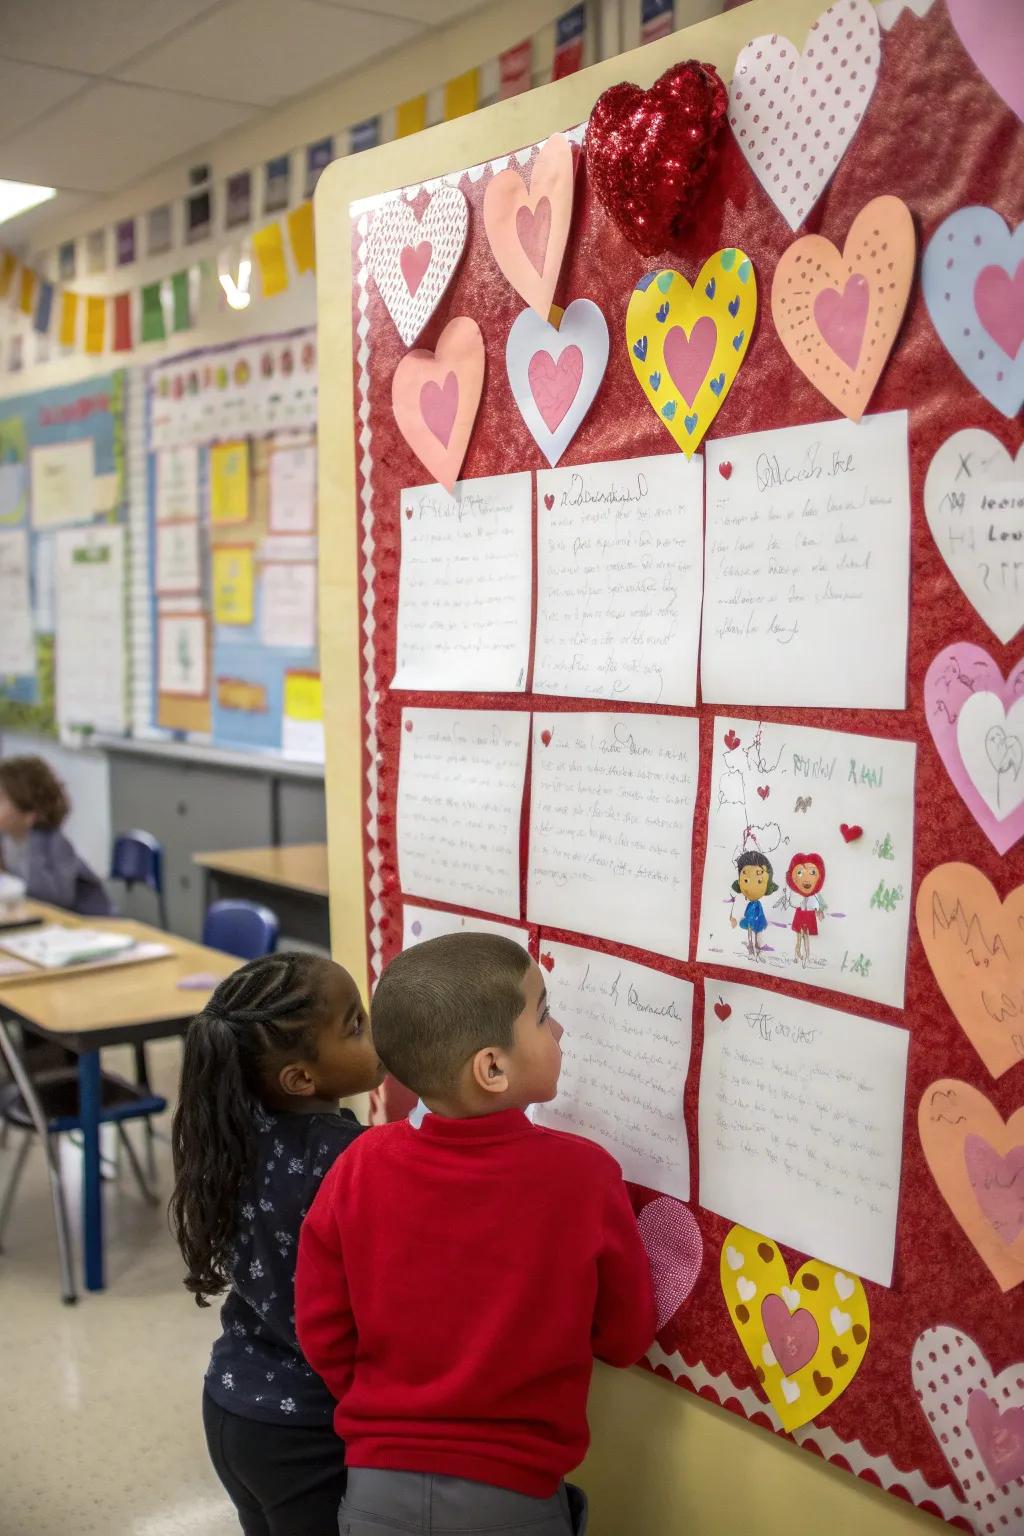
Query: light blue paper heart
[655,380]
[960,250]
[669,410]
[665,281]
[690,422]
[640,349]
[728,259]
[662,313]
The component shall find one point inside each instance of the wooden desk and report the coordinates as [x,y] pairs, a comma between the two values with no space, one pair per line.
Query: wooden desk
[86,1009]
[291,881]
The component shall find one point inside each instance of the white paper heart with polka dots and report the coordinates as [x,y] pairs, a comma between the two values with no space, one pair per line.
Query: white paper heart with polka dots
[795,114]
[978,1419]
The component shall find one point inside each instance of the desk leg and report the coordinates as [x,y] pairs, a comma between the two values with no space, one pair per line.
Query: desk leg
[89,1093]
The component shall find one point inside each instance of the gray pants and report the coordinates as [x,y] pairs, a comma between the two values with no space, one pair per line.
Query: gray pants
[427,1505]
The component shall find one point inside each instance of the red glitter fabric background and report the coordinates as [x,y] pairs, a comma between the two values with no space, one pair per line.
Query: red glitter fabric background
[937,136]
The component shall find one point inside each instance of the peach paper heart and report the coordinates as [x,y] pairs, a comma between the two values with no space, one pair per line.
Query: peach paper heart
[837,314]
[528,230]
[977,1160]
[435,397]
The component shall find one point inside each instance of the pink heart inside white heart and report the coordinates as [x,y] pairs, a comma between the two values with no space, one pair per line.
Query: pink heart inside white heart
[414,261]
[999,300]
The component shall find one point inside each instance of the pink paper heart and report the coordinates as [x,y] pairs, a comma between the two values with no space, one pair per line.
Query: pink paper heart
[688,358]
[435,397]
[414,261]
[958,674]
[999,300]
[991,32]
[675,1249]
[527,230]
[998,1436]
[998,1184]
[792,1336]
[554,386]
[842,317]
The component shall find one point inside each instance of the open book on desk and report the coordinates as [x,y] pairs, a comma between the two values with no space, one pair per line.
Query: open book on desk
[52,948]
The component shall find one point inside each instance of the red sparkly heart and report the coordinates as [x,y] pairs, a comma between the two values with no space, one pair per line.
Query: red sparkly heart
[731,740]
[649,153]
[764,790]
[723,1010]
[408,512]
[549,501]
[850,834]
[548,962]
[725,469]
[545,737]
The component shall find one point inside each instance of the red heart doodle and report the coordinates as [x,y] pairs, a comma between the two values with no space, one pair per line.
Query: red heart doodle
[408,725]
[725,469]
[723,1010]
[549,501]
[548,962]
[764,790]
[408,512]
[545,737]
[731,740]
[850,834]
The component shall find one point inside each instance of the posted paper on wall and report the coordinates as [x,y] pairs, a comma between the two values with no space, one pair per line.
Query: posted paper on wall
[809,863]
[422,923]
[62,488]
[90,626]
[801,1124]
[464,586]
[807,566]
[460,794]
[625,1055]
[302,719]
[182,645]
[233,581]
[178,567]
[17,641]
[177,485]
[288,606]
[611,824]
[619,570]
[293,487]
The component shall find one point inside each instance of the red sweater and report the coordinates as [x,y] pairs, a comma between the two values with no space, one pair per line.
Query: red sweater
[454,1284]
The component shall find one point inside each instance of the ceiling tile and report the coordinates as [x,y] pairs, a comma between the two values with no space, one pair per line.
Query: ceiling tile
[90,35]
[26,92]
[112,134]
[266,50]
[14,231]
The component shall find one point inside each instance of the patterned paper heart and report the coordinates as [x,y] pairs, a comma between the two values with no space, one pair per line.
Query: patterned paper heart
[687,344]
[795,115]
[977,1161]
[975,947]
[974,502]
[977,720]
[991,32]
[837,315]
[972,1409]
[527,230]
[435,397]
[805,1340]
[412,260]
[675,1249]
[555,374]
[972,276]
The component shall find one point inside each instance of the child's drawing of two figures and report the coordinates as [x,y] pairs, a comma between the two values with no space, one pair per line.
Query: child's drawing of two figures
[755,881]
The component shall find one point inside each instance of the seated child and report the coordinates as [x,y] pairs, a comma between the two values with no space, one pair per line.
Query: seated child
[256,1128]
[33,808]
[455,1281]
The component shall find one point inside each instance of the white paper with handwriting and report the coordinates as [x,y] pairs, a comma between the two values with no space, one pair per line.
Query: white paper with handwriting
[611,824]
[422,923]
[807,566]
[464,586]
[460,796]
[783,797]
[625,1055]
[800,1124]
[619,564]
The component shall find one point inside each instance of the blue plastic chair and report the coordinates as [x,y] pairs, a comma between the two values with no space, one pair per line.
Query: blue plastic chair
[138,859]
[242,928]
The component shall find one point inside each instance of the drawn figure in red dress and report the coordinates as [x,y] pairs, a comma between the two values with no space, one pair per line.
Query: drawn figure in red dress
[805,878]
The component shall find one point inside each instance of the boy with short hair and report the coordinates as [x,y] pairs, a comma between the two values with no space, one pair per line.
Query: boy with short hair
[455,1281]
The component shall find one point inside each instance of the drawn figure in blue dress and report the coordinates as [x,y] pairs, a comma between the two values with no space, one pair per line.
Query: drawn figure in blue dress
[753,882]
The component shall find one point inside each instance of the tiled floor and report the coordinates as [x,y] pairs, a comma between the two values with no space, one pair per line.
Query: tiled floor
[100,1430]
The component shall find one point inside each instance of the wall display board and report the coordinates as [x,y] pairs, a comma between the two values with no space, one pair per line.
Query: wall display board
[233,525]
[64,558]
[690,644]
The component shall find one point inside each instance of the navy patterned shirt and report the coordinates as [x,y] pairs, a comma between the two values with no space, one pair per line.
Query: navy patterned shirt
[256,1369]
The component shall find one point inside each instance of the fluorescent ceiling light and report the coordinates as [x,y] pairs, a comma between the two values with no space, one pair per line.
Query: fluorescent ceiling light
[19,196]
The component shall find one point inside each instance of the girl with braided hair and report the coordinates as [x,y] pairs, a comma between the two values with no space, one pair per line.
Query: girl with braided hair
[256,1129]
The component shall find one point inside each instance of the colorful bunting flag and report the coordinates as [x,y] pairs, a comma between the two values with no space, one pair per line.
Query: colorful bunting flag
[515,70]
[27,297]
[181,308]
[461,95]
[68,318]
[365,135]
[570,34]
[268,249]
[95,323]
[300,231]
[44,307]
[410,117]
[152,318]
[123,322]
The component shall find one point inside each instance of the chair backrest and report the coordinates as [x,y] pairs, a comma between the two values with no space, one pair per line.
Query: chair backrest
[138,859]
[242,928]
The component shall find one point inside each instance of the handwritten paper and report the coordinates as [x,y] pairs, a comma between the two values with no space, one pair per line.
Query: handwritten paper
[800,1125]
[619,569]
[288,606]
[177,485]
[17,643]
[807,566]
[182,644]
[232,580]
[460,794]
[62,483]
[625,1055]
[808,870]
[177,558]
[422,923]
[974,502]
[229,482]
[611,823]
[293,487]
[464,586]
[90,626]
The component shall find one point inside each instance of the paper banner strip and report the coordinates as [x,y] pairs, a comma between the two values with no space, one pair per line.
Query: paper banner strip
[461,95]
[95,324]
[27,295]
[268,249]
[123,323]
[152,322]
[68,318]
[410,117]
[300,232]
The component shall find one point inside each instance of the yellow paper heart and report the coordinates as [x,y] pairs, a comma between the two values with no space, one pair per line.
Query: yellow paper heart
[686,344]
[805,1337]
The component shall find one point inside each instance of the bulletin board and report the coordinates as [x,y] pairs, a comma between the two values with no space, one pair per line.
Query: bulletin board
[937,135]
[233,542]
[62,471]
